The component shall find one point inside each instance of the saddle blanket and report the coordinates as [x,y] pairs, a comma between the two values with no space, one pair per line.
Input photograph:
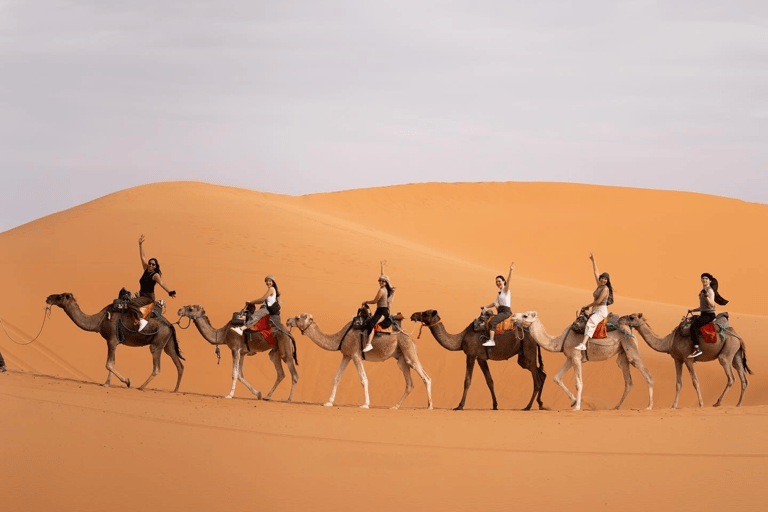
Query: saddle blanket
[709,332]
[378,329]
[600,331]
[506,325]
[265,329]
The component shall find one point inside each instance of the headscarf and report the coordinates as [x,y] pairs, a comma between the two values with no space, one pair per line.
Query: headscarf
[610,287]
[713,284]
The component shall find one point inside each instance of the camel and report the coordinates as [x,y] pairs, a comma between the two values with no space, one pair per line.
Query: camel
[507,345]
[347,341]
[158,335]
[284,349]
[619,343]
[731,352]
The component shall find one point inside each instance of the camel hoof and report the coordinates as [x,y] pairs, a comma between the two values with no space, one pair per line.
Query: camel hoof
[364,406]
[576,408]
[429,408]
[459,408]
[328,404]
[227,397]
[258,395]
[128,382]
[716,405]
[393,408]
[105,385]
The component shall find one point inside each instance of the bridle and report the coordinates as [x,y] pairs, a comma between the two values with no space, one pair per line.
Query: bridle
[424,324]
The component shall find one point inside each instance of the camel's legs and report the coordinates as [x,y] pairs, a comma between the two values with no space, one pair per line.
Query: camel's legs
[726,364]
[695,380]
[468,381]
[274,356]
[414,362]
[559,379]
[579,381]
[170,349]
[236,357]
[623,363]
[363,380]
[738,363]
[241,377]
[111,367]
[343,366]
[538,376]
[489,380]
[679,382]
[288,358]
[408,380]
[633,356]
[157,351]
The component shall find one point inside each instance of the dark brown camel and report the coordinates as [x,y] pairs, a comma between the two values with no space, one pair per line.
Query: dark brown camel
[157,335]
[470,342]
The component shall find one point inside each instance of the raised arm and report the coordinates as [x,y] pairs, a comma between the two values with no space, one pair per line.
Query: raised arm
[143,257]
[594,269]
[509,277]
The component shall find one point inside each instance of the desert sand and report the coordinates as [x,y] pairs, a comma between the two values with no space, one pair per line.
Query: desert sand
[71,444]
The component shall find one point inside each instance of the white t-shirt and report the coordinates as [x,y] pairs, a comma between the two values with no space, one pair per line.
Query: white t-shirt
[504,299]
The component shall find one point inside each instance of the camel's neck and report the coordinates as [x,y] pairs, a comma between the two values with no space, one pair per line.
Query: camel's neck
[322,340]
[545,341]
[446,340]
[656,343]
[211,335]
[90,323]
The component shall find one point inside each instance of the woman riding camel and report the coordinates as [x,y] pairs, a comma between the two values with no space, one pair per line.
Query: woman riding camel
[708,297]
[602,298]
[503,305]
[383,300]
[270,305]
[149,279]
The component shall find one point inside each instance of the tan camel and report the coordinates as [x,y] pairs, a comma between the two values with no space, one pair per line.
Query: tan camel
[619,343]
[158,335]
[348,341]
[507,346]
[731,352]
[284,350]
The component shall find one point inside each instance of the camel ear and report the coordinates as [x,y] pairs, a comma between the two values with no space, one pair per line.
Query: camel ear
[639,315]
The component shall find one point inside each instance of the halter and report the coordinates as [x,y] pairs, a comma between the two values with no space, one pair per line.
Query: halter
[302,331]
[424,324]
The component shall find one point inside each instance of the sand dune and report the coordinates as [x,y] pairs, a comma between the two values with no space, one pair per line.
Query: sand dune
[94,447]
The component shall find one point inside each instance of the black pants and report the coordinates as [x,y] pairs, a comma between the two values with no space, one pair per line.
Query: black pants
[699,322]
[377,315]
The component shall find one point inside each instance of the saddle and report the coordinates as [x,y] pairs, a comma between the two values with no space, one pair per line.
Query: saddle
[264,326]
[387,326]
[480,324]
[611,323]
[709,332]
[141,307]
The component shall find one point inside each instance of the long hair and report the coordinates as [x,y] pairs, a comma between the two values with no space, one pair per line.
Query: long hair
[610,287]
[714,285]
[157,266]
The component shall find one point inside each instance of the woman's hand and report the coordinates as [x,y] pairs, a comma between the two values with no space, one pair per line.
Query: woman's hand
[141,239]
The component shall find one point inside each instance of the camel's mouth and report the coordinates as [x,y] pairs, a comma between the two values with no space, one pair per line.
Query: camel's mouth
[416,317]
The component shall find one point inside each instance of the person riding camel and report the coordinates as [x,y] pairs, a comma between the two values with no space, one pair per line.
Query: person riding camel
[708,298]
[270,305]
[148,280]
[383,300]
[503,305]
[602,298]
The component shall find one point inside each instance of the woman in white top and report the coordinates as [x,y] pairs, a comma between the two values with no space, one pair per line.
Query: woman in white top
[270,305]
[503,305]
[602,298]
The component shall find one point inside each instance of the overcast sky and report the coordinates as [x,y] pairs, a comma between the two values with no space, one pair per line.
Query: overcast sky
[310,96]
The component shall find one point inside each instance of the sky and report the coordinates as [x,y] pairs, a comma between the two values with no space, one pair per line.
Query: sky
[306,96]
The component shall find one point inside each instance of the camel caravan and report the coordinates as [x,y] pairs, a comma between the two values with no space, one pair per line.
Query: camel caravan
[496,334]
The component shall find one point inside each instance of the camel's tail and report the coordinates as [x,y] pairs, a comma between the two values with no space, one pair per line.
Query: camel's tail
[744,358]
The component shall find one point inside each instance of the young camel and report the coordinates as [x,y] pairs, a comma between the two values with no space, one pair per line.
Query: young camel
[284,350]
[619,343]
[507,346]
[348,341]
[158,335]
[731,352]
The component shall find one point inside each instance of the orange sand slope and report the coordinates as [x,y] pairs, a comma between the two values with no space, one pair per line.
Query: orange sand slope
[444,244]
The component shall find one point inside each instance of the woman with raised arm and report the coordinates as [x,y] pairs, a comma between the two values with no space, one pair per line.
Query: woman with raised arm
[602,297]
[270,305]
[503,305]
[383,300]
[708,297]
[150,277]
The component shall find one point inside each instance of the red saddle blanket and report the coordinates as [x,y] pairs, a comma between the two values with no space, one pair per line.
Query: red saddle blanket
[600,331]
[506,325]
[265,328]
[379,328]
[709,332]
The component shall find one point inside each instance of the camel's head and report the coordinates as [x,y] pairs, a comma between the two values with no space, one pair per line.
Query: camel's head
[302,321]
[194,311]
[634,320]
[428,317]
[525,319]
[60,299]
